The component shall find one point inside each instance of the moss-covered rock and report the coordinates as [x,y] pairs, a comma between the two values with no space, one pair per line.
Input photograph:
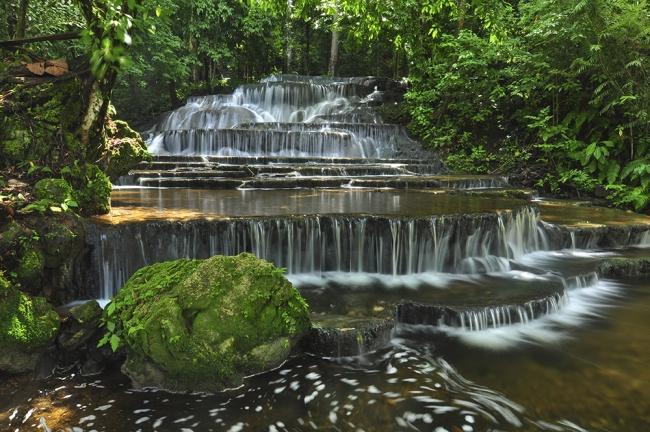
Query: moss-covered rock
[622,267]
[92,189]
[125,149]
[28,326]
[81,324]
[56,190]
[48,255]
[30,267]
[204,324]
[10,235]
[62,238]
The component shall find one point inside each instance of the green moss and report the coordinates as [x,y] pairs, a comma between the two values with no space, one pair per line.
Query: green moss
[10,236]
[56,190]
[125,149]
[59,241]
[26,322]
[121,129]
[4,287]
[625,267]
[205,324]
[92,189]
[30,268]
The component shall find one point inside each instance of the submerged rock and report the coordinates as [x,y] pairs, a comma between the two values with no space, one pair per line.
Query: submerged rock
[347,336]
[28,326]
[205,324]
[81,323]
[621,267]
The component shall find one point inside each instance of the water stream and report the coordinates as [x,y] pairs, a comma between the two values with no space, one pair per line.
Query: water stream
[485,308]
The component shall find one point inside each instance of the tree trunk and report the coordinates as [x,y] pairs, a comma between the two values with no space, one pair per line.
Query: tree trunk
[462,11]
[307,61]
[173,97]
[287,38]
[96,92]
[334,49]
[21,21]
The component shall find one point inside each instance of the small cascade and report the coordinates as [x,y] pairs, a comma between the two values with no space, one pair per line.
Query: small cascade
[581,281]
[600,237]
[251,142]
[315,244]
[480,318]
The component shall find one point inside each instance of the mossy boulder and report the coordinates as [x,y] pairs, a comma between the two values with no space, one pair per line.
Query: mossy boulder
[126,149]
[30,267]
[62,239]
[624,267]
[82,322]
[205,324]
[28,326]
[92,188]
[56,190]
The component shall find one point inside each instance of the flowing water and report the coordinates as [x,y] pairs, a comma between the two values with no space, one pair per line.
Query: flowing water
[444,302]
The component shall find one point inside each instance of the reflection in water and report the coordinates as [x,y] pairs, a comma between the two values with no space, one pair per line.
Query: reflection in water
[155,203]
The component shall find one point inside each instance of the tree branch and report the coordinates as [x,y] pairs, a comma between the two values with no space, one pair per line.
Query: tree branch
[54,37]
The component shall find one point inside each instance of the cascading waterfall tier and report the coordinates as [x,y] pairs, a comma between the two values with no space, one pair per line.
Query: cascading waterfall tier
[271,101]
[316,244]
[480,318]
[326,142]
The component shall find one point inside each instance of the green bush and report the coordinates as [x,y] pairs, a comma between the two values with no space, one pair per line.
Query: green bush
[92,188]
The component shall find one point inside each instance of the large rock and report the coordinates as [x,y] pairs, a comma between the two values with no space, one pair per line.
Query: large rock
[205,324]
[28,326]
[622,266]
[125,149]
[48,255]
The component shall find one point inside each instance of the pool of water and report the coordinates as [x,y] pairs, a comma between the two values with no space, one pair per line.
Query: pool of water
[139,204]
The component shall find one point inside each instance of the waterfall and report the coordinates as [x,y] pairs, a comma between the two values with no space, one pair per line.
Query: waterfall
[316,244]
[480,318]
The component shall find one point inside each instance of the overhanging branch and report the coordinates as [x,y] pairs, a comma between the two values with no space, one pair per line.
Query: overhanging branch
[44,38]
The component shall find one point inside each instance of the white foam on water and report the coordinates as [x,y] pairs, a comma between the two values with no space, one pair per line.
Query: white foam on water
[363,280]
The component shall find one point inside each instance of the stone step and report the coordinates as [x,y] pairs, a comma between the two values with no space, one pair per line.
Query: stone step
[293,170]
[269,182]
[189,160]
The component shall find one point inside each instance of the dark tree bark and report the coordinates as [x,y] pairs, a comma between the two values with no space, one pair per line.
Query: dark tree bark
[54,37]
[21,19]
[334,48]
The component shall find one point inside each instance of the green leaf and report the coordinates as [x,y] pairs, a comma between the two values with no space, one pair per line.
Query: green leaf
[110,309]
[115,342]
[612,171]
[103,341]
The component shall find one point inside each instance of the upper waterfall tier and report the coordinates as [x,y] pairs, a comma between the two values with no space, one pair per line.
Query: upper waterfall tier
[285,115]
[265,102]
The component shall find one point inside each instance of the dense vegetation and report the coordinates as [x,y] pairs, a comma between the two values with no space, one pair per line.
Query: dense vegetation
[554,92]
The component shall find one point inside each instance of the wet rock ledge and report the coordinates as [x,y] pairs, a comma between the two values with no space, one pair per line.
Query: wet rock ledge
[624,267]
